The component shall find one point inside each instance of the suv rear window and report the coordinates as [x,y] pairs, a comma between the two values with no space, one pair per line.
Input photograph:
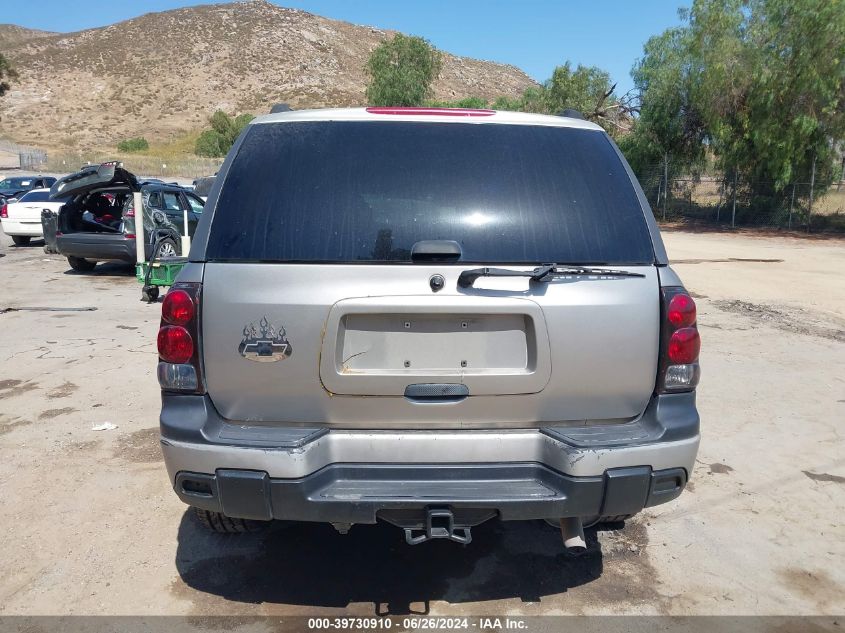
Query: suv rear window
[367,191]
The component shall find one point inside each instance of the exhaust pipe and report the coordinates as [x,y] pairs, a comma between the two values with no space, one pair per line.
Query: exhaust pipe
[572,532]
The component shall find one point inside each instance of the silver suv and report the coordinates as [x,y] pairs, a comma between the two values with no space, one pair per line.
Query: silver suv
[429,317]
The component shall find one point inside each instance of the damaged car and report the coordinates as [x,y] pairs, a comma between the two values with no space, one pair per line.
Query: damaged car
[98,223]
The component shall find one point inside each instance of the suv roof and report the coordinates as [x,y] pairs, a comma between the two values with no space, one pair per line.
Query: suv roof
[446,115]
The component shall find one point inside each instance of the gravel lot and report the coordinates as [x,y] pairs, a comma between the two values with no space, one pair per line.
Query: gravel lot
[89,524]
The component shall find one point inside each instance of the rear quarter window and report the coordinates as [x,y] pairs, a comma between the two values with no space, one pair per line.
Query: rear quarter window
[367,191]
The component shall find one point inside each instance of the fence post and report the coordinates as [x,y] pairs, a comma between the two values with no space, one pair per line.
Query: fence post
[791,204]
[812,185]
[719,205]
[733,210]
[665,183]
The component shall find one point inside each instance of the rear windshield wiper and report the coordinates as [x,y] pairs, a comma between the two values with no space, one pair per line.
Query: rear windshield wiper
[543,273]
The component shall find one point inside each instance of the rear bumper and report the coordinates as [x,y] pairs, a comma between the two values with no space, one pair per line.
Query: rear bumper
[362,493]
[353,476]
[97,246]
[26,229]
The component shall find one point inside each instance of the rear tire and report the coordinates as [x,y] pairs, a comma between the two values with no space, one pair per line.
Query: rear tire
[21,240]
[220,523]
[81,265]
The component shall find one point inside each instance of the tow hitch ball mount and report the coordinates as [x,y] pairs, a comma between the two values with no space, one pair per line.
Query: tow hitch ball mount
[439,523]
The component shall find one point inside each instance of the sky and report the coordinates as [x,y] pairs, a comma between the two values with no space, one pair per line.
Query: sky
[534,35]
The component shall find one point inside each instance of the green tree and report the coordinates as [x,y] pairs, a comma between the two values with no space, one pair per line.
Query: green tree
[534,99]
[586,89]
[217,141]
[210,143]
[759,83]
[670,124]
[581,89]
[402,71]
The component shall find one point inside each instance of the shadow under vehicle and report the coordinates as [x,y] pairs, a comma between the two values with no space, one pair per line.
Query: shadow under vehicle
[310,564]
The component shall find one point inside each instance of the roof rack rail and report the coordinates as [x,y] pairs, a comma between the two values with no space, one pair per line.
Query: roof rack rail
[572,114]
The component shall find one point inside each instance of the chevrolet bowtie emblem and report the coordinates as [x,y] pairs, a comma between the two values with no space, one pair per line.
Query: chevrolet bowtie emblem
[264,343]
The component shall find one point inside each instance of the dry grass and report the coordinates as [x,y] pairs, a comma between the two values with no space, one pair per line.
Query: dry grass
[163,159]
[706,193]
[185,167]
[831,203]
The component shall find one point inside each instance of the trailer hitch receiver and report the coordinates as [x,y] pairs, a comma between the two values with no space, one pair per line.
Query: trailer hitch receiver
[439,523]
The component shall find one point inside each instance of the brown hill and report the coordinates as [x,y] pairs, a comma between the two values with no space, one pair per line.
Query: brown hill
[12,35]
[162,74]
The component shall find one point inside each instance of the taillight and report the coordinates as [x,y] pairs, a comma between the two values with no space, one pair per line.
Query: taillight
[175,345]
[681,310]
[680,343]
[178,307]
[4,210]
[179,367]
[684,345]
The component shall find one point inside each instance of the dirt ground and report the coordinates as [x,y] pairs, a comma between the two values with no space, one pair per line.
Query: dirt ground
[89,524]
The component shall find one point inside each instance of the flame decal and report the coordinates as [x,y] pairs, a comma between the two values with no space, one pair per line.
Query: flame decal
[265,343]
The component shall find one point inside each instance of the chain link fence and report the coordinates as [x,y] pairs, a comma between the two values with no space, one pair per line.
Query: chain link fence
[14,156]
[708,200]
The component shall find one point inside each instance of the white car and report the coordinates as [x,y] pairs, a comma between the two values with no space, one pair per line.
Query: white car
[21,220]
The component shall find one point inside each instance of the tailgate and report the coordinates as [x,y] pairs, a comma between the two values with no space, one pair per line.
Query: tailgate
[340,345]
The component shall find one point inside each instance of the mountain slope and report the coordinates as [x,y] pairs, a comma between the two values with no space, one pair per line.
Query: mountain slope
[12,35]
[163,74]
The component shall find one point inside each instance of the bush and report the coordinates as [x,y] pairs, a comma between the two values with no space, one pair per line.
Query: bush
[217,141]
[130,145]
[466,102]
[211,143]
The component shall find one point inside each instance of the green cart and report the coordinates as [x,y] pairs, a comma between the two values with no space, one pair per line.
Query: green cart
[159,271]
